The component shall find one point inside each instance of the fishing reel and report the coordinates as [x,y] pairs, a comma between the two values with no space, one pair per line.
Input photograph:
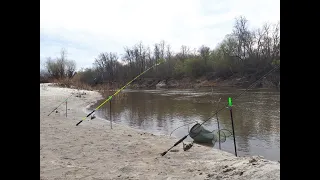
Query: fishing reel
[186,147]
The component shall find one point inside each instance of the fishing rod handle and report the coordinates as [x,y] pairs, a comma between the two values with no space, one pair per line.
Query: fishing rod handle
[180,140]
[52,111]
[86,117]
[79,122]
[90,113]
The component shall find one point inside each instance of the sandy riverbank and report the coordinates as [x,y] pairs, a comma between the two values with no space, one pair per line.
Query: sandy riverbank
[93,151]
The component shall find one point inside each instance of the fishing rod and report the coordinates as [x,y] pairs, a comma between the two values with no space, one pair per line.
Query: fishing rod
[233,134]
[60,104]
[254,83]
[110,97]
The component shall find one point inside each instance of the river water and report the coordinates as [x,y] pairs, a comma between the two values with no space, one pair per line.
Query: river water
[256,115]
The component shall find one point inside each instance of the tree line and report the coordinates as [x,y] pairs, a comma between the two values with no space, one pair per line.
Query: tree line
[58,68]
[242,53]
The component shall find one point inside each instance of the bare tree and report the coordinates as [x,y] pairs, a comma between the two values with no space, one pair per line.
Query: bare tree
[60,67]
[184,51]
[276,41]
[204,54]
[61,62]
[52,68]
[243,36]
[70,68]
[106,64]
[243,52]
[162,46]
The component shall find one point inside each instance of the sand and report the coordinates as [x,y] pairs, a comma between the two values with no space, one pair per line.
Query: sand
[93,150]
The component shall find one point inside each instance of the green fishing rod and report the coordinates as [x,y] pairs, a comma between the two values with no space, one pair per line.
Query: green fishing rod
[252,84]
[60,104]
[110,97]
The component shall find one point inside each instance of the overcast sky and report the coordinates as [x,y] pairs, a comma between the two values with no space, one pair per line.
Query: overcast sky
[86,28]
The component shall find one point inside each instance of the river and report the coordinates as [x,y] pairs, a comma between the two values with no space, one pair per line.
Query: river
[256,115]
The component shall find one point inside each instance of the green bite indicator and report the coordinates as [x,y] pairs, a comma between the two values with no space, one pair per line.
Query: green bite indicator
[230,102]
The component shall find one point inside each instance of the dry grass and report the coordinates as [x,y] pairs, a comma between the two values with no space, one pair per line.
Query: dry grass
[107,90]
[207,83]
[104,89]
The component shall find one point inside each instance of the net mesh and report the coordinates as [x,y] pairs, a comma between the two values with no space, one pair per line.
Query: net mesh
[198,132]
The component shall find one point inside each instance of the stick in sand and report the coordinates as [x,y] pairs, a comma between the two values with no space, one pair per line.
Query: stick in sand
[110,115]
[218,124]
[234,137]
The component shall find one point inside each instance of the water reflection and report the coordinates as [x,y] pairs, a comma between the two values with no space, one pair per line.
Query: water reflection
[256,115]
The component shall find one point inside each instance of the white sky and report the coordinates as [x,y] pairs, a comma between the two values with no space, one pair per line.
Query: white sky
[86,28]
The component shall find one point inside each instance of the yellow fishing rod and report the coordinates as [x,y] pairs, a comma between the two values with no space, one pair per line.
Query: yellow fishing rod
[110,97]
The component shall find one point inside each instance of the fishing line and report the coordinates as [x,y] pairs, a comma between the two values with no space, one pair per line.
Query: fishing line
[254,83]
[110,97]
[182,126]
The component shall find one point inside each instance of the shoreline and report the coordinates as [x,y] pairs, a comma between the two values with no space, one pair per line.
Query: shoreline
[92,151]
[186,83]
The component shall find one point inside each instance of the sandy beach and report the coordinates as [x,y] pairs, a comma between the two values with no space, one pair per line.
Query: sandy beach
[93,150]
